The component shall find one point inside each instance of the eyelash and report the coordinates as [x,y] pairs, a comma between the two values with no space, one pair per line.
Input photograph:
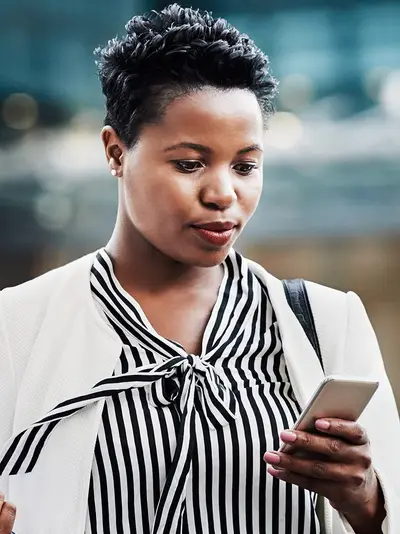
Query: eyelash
[180,166]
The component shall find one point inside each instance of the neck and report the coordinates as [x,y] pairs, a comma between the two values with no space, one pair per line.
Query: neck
[140,267]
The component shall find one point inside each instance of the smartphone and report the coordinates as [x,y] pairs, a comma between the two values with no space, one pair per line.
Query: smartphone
[336,396]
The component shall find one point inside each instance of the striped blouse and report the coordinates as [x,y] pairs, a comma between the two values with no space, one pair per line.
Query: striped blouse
[182,437]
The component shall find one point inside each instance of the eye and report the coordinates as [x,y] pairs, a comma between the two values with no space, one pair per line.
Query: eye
[187,166]
[245,168]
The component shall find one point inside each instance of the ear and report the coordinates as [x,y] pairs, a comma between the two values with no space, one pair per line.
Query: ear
[114,149]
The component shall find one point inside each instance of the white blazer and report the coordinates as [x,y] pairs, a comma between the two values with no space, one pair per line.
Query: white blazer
[54,345]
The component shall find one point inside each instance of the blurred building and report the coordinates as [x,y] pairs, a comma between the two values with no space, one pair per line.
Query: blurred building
[331,204]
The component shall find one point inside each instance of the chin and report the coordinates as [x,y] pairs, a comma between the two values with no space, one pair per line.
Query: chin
[206,258]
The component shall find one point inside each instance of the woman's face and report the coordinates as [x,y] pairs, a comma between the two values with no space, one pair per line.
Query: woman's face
[194,179]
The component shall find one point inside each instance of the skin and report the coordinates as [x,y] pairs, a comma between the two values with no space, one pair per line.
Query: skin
[7,515]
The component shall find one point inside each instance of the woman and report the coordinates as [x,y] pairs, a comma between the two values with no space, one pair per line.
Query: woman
[146,387]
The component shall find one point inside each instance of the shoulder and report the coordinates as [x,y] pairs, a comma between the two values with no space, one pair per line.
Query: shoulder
[23,307]
[326,302]
[42,287]
[345,308]
[316,291]
[336,313]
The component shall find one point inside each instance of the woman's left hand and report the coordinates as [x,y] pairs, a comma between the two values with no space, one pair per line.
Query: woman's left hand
[336,464]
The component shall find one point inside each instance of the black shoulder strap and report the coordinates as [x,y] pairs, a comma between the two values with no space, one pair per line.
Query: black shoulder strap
[297,297]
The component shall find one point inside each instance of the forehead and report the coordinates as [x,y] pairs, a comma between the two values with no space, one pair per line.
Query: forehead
[213,116]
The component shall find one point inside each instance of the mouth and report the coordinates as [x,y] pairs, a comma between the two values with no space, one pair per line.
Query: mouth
[216,233]
[216,226]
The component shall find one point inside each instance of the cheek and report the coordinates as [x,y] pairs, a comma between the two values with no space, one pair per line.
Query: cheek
[249,196]
[152,199]
[138,194]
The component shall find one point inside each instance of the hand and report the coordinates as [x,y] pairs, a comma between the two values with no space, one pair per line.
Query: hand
[336,464]
[7,515]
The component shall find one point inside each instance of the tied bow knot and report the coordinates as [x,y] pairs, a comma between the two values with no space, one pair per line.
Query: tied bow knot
[192,377]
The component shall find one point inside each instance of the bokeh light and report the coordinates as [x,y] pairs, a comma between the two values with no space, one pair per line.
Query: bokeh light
[20,111]
[285,131]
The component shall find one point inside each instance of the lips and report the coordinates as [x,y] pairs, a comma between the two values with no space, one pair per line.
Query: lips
[217,226]
[217,233]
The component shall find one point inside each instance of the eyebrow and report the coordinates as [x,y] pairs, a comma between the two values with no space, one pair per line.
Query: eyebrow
[207,150]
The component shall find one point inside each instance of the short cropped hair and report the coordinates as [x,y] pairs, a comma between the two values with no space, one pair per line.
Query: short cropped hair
[172,53]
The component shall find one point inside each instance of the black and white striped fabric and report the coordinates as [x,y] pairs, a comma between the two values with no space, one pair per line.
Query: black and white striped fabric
[184,453]
[182,437]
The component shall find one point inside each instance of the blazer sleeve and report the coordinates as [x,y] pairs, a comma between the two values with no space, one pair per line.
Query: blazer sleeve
[362,357]
[8,393]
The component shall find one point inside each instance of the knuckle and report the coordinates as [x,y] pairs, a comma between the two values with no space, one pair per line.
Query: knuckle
[307,439]
[359,434]
[286,461]
[318,469]
[358,479]
[335,446]
[341,428]
[366,461]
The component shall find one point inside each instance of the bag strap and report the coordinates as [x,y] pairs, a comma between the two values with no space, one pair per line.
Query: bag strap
[297,297]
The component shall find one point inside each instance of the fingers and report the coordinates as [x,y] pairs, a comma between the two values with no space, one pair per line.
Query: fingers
[317,469]
[347,489]
[317,445]
[335,462]
[312,484]
[7,515]
[349,431]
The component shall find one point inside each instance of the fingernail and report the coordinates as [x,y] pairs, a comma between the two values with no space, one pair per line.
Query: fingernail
[2,496]
[272,458]
[288,436]
[321,424]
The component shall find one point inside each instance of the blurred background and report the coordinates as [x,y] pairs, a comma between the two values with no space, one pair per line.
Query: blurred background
[330,211]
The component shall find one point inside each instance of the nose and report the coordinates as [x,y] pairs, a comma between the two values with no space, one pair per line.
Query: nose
[218,191]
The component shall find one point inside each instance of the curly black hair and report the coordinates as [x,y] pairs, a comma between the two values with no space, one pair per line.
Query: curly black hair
[171,53]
